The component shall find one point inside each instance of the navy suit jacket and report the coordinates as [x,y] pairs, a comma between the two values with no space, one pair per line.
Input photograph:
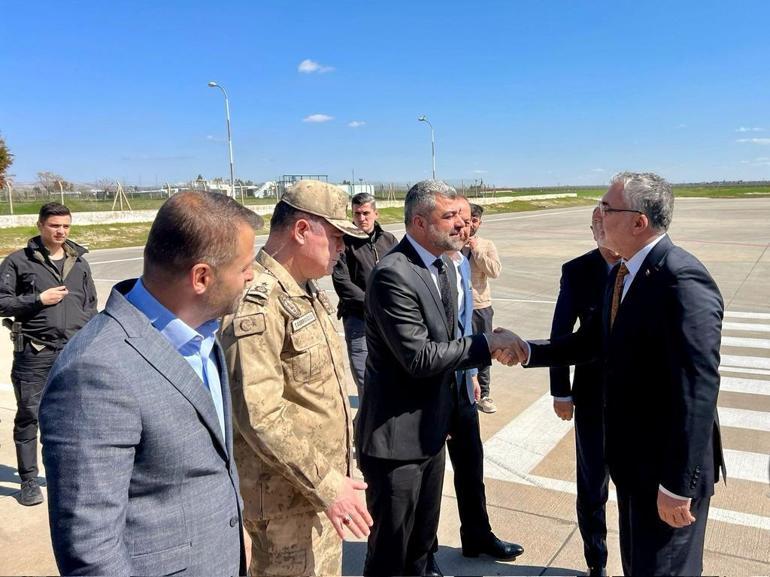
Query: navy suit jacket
[660,364]
[581,296]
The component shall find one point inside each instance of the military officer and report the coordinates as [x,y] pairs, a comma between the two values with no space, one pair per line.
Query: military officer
[290,405]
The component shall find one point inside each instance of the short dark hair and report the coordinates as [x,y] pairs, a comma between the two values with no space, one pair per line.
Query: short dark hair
[477,210]
[363,198]
[53,209]
[194,227]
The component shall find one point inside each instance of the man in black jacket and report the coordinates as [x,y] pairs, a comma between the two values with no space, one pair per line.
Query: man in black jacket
[48,289]
[581,295]
[350,277]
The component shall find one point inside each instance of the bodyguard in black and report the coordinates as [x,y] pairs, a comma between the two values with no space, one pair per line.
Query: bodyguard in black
[48,289]
[350,276]
[583,282]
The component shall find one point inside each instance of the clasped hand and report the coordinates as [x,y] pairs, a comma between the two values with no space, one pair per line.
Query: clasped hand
[507,347]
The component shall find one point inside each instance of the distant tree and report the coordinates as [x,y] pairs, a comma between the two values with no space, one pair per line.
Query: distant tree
[6,160]
[49,182]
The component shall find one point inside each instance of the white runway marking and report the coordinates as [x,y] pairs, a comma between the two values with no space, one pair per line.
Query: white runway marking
[744,419]
[748,362]
[746,315]
[116,260]
[528,438]
[750,327]
[749,386]
[747,466]
[746,342]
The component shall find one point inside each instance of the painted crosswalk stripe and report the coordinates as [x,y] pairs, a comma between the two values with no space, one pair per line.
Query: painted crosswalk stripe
[748,386]
[750,327]
[528,438]
[744,419]
[743,370]
[746,361]
[746,315]
[746,466]
[746,342]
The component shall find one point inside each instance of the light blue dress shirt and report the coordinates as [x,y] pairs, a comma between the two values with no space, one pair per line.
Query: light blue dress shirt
[195,345]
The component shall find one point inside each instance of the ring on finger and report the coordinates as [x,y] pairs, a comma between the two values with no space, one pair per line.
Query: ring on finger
[347,519]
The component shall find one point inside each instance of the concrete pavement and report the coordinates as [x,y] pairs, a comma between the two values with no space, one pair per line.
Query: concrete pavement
[529,452]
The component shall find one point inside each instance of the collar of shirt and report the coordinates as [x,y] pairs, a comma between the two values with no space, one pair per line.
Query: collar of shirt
[182,337]
[635,262]
[427,258]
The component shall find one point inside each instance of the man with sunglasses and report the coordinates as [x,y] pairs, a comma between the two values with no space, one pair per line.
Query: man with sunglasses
[661,333]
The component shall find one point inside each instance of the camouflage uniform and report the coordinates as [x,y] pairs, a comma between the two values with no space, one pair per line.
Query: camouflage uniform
[292,417]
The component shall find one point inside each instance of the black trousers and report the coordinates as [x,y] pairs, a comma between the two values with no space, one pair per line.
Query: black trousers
[592,480]
[466,452]
[29,374]
[404,499]
[482,323]
[648,546]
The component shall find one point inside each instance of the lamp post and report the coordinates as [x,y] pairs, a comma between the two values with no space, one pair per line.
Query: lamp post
[213,84]
[423,118]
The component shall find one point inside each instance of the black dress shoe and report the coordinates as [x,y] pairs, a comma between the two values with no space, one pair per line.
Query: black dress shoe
[431,567]
[597,571]
[493,547]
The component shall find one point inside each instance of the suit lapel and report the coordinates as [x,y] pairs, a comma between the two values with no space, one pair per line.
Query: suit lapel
[419,267]
[165,359]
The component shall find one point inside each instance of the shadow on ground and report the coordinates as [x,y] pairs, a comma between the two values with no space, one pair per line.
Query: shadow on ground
[452,562]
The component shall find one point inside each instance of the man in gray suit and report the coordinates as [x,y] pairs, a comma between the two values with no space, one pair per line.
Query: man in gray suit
[135,418]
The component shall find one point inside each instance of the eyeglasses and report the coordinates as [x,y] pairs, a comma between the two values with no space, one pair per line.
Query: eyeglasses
[605,209]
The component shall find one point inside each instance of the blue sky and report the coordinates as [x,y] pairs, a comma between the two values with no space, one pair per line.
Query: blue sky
[520,93]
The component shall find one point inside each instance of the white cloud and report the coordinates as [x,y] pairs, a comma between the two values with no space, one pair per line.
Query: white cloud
[765,141]
[598,170]
[479,171]
[318,118]
[682,125]
[356,123]
[212,138]
[749,129]
[308,66]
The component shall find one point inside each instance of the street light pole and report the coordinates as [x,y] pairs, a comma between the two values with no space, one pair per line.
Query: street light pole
[213,84]
[423,118]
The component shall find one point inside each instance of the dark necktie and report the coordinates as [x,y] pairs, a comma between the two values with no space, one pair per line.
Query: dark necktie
[617,293]
[446,293]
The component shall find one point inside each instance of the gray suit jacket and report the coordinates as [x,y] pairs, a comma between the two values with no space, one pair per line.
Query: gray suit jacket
[140,480]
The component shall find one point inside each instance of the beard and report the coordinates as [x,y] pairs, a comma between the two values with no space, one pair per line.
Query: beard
[223,302]
[443,240]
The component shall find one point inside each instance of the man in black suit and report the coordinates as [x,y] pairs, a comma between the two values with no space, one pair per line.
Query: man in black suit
[581,294]
[661,330]
[411,387]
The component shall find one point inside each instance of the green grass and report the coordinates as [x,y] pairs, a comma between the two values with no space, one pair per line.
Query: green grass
[92,205]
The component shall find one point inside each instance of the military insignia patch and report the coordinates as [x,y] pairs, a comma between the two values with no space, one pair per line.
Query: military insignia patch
[289,306]
[325,302]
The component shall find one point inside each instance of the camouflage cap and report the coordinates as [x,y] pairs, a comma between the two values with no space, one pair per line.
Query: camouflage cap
[325,200]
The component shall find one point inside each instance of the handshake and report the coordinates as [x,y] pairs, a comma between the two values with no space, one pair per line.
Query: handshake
[506,347]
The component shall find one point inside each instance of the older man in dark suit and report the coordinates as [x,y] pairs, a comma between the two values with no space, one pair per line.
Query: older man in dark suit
[411,385]
[661,332]
[135,418]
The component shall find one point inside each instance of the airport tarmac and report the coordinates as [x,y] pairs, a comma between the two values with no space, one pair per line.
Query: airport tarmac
[529,452]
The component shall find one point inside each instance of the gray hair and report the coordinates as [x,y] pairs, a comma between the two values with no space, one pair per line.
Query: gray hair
[421,198]
[650,194]
[363,198]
